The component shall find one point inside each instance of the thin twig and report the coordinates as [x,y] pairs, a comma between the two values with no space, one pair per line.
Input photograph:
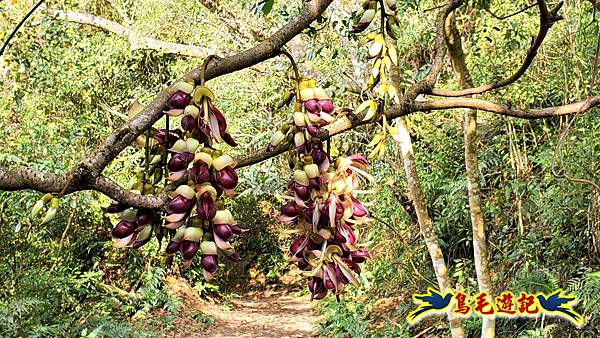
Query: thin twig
[297,75]
[386,224]
[547,19]
[509,15]
[12,34]
[433,8]
[64,234]
[595,66]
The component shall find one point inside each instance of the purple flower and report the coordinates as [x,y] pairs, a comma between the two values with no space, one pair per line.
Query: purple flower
[358,210]
[328,280]
[189,249]
[298,245]
[313,130]
[315,286]
[200,173]
[320,157]
[229,140]
[189,123]
[180,204]
[224,231]
[326,106]
[315,183]
[139,243]
[304,265]
[123,229]
[218,126]
[179,100]
[346,232]
[302,191]
[290,209]
[144,216]
[227,178]
[209,263]
[361,26]
[352,265]
[360,255]
[203,131]
[312,106]
[180,161]
[172,247]
[237,230]
[206,207]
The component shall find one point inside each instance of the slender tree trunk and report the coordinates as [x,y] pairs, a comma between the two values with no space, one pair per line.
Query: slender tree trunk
[480,252]
[425,223]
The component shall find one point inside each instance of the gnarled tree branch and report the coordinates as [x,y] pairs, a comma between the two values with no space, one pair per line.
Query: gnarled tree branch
[353,121]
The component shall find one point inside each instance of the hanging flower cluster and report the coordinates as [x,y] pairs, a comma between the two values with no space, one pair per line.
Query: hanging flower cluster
[135,227]
[195,220]
[324,209]
[379,88]
[313,110]
[323,205]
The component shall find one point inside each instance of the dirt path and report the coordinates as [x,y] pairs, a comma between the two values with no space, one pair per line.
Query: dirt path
[265,314]
[269,313]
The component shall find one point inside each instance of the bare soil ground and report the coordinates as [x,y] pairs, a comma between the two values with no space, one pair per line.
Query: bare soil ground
[266,313]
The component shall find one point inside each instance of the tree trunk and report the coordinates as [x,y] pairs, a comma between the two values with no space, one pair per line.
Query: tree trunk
[480,252]
[425,223]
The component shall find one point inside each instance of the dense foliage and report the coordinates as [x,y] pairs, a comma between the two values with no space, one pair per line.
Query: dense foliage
[62,84]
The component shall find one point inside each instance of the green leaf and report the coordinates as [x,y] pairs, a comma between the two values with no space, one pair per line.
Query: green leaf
[264,7]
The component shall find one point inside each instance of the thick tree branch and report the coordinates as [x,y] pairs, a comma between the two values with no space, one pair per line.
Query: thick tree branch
[480,250]
[111,189]
[21,178]
[419,202]
[136,40]
[547,19]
